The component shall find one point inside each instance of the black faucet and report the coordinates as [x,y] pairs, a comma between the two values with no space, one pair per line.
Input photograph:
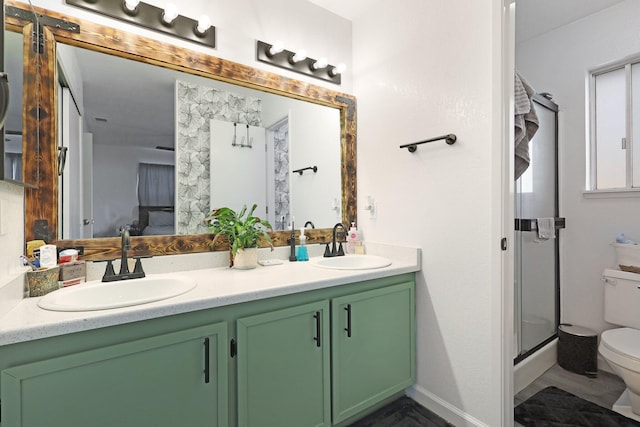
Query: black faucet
[126,246]
[309,223]
[138,272]
[339,251]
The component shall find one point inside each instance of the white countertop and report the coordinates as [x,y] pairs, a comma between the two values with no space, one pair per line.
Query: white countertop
[216,287]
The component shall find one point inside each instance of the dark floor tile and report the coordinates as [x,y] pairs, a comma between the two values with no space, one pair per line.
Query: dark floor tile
[404,412]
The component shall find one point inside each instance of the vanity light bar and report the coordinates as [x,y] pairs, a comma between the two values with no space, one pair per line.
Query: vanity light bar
[154,18]
[299,62]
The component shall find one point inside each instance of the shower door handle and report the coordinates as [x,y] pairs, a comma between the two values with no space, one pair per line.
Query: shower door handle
[531,224]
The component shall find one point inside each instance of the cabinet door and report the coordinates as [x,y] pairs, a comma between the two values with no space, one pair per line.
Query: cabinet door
[157,381]
[372,346]
[283,368]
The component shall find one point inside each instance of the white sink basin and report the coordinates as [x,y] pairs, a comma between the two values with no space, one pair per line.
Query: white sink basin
[352,262]
[97,295]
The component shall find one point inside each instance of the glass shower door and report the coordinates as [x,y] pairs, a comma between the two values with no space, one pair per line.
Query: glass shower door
[536,269]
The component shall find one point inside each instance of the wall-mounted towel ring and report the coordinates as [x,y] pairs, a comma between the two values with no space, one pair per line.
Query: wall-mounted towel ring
[301,171]
[449,139]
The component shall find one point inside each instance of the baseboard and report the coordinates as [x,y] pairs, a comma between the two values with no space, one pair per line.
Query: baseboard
[443,409]
[525,372]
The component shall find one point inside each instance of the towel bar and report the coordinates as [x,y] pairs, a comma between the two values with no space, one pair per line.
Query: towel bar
[301,171]
[523,224]
[449,139]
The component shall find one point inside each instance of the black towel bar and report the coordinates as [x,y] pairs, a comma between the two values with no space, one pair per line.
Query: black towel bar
[301,171]
[449,139]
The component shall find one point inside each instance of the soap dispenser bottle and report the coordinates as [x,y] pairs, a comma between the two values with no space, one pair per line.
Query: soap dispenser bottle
[303,254]
[352,239]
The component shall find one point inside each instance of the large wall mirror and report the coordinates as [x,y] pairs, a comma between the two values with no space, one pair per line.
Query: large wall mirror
[151,136]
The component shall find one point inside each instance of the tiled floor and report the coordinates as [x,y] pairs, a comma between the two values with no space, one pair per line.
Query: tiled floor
[603,390]
[403,412]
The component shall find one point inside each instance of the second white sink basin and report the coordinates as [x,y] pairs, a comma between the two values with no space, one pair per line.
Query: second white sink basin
[97,295]
[352,262]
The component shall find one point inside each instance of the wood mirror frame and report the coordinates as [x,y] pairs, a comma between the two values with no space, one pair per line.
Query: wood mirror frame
[42,203]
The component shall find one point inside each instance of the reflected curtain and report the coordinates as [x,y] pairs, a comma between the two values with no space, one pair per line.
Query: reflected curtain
[156,184]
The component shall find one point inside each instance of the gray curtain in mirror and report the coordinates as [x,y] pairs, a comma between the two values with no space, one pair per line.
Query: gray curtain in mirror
[156,184]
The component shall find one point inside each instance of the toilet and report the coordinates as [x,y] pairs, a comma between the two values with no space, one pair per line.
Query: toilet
[620,347]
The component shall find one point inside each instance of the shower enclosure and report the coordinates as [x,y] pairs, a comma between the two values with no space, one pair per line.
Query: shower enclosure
[537,277]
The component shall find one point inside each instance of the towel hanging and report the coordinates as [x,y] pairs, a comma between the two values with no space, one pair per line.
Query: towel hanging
[525,121]
[546,229]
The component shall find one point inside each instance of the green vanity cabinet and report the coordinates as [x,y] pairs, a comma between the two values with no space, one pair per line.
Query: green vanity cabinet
[365,354]
[372,347]
[283,367]
[172,379]
[274,362]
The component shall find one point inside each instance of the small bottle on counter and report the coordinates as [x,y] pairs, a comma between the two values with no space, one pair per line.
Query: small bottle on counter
[303,254]
[354,239]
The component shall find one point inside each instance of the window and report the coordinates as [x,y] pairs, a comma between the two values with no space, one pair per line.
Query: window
[615,95]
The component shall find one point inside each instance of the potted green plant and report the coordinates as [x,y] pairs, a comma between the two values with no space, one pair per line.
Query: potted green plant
[243,231]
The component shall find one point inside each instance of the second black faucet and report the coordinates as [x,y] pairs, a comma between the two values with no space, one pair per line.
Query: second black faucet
[336,246]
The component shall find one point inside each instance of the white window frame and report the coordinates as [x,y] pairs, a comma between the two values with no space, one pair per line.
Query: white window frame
[591,164]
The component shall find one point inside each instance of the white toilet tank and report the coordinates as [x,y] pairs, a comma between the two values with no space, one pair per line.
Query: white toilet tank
[622,298]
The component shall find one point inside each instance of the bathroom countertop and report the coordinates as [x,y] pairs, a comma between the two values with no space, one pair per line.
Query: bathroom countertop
[216,287]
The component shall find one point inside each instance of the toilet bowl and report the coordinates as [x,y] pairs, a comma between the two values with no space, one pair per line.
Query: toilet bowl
[620,347]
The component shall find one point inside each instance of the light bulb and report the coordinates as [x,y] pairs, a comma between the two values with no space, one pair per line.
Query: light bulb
[131,5]
[338,69]
[320,63]
[300,55]
[204,23]
[170,13]
[276,48]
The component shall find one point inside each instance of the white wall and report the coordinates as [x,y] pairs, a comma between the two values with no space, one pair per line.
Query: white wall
[423,69]
[313,132]
[314,135]
[557,62]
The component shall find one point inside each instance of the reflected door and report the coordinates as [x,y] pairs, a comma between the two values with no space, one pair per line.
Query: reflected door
[71,178]
[536,269]
[238,166]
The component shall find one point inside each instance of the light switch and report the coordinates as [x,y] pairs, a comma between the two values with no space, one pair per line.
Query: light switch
[372,207]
